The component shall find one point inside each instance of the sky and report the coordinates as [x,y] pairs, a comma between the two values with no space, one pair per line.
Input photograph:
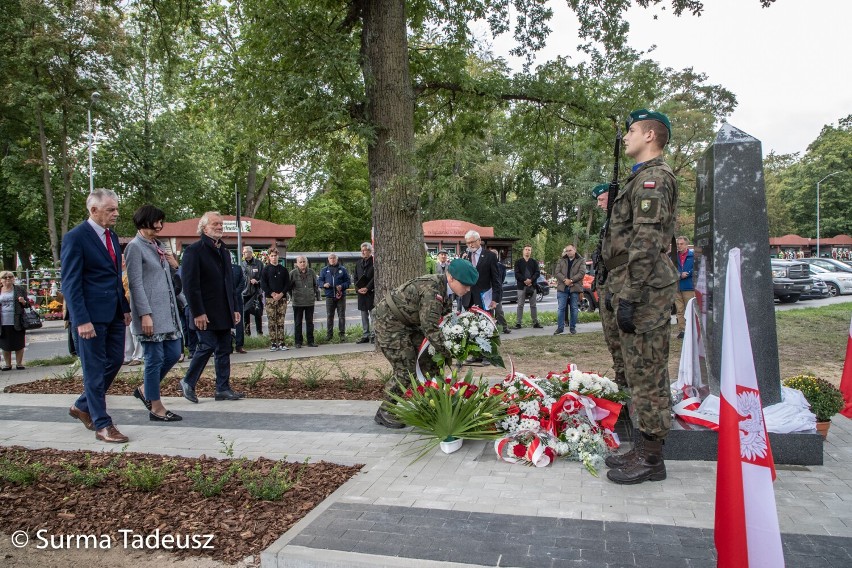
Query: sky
[788,65]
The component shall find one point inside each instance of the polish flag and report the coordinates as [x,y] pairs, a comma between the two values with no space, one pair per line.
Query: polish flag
[747,533]
[846,379]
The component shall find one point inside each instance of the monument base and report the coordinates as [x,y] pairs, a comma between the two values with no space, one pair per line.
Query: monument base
[797,448]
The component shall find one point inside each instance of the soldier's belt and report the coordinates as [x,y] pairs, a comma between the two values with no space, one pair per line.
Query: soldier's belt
[395,310]
[616,261]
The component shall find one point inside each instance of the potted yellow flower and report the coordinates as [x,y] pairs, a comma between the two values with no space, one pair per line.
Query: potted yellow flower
[825,399]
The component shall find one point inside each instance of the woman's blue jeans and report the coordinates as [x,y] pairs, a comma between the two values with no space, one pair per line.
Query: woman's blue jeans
[160,357]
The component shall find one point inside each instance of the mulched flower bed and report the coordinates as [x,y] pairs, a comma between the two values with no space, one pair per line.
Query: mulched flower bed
[240,524]
[268,387]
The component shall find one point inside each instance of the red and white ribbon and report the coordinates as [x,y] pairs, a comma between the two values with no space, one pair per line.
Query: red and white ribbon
[687,410]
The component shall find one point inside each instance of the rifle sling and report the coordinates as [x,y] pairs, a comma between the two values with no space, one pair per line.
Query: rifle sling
[616,261]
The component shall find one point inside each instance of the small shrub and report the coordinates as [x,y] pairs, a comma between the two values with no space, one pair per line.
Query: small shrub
[351,381]
[134,378]
[89,476]
[210,485]
[70,373]
[146,477]
[227,447]
[19,472]
[283,377]
[825,399]
[256,374]
[313,375]
[273,485]
[384,376]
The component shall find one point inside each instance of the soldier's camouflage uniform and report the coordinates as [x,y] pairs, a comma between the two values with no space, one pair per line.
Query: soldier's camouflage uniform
[403,318]
[610,328]
[635,251]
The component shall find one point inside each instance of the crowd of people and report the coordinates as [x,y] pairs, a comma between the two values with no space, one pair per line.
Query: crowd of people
[201,301]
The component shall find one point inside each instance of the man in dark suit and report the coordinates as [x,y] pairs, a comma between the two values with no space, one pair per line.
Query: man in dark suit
[208,284]
[98,310]
[488,290]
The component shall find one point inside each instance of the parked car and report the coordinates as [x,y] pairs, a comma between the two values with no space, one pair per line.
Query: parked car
[790,279]
[817,292]
[588,300]
[829,264]
[510,288]
[838,282]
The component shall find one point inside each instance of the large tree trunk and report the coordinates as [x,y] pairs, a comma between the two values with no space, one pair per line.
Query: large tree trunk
[48,190]
[390,110]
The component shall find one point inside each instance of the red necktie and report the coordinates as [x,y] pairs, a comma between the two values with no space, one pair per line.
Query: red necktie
[109,246]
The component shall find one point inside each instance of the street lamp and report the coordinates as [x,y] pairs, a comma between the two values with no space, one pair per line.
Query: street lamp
[819,182]
[95,96]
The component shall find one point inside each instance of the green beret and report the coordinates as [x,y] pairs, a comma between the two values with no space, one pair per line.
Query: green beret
[645,114]
[599,189]
[463,271]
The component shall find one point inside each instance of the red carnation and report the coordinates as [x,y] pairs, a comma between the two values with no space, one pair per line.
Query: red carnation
[512,410]
[519,450]
[408,393]
[421,389]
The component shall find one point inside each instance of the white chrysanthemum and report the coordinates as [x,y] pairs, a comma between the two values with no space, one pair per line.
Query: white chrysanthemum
[431,349]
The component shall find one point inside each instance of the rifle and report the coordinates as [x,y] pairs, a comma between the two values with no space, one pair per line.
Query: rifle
[612,193]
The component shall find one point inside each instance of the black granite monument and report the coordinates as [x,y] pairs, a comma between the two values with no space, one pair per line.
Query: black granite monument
[730,211]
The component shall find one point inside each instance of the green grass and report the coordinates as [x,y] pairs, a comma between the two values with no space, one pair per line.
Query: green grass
[57,360]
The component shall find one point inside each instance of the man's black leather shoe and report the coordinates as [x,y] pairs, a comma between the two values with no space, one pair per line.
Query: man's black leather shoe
[228,395]
[188,392]
[363,340]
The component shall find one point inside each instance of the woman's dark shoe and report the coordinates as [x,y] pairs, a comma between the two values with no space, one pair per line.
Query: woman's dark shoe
[5,368]
[138,394]
[20,367]
[169,417]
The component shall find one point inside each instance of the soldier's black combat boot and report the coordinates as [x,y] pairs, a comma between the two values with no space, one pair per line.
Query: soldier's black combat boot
[387,419]
[648,465]
[620,460]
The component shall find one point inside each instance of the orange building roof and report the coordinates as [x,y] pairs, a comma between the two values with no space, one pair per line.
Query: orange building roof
[453,228]
[188,228]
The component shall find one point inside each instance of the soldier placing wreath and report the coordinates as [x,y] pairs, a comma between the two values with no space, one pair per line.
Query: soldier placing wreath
[411,313]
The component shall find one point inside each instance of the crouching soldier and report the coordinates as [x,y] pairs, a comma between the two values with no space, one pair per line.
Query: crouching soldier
[408,314]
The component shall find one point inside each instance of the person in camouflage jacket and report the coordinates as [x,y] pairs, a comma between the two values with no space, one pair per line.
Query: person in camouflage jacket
[408,314]
[642,280]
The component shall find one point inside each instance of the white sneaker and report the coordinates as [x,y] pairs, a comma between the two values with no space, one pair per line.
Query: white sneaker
[283,348]
[274,348]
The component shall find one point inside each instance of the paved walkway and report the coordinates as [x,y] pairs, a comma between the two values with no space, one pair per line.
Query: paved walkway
[463,509]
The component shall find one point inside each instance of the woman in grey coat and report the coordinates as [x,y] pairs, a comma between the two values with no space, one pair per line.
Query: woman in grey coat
[154,308]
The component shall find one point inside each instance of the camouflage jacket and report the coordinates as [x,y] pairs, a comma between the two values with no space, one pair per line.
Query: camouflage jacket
[419,303]
[641,227]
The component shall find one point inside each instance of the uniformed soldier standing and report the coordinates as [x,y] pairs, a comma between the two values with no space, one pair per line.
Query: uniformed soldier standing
[642,280]
[610,328]
[408,314]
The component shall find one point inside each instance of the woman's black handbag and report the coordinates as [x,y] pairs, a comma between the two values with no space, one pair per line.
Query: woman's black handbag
[30,319]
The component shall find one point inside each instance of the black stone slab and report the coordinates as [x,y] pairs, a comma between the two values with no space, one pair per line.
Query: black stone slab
[800,448]
[484,539]
[730,211]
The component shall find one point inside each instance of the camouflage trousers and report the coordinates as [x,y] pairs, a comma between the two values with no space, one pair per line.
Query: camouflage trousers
[399,344]
[646,361]
[275,312]
[611,335]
